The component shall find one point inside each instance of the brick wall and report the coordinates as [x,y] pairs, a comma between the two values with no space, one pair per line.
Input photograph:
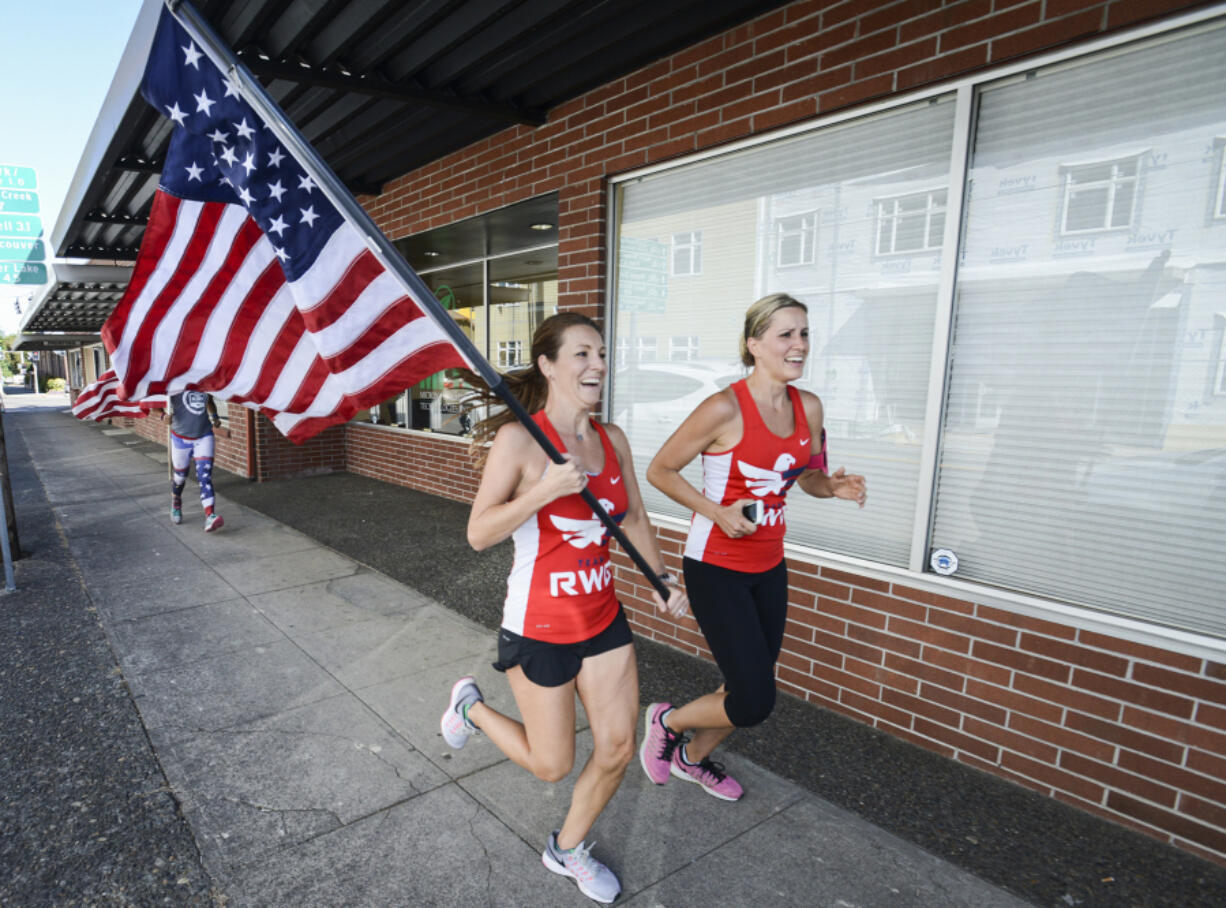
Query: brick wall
[1131,732]
[280,458]
[436,464]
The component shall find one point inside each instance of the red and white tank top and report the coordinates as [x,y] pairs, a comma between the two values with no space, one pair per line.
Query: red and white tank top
[560,589]
[762,466]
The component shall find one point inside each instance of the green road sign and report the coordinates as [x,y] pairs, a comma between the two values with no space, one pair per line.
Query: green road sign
[23,273]
[20,225]
[21,249]
[18,200]
[642,275]
[13,176]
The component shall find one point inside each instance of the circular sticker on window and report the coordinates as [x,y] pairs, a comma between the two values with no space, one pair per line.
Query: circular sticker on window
[944,562]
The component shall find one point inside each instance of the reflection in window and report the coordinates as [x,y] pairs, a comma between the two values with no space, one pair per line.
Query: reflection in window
[1219,210]
[911,223]
[510,353]
[796,240]
[1099,196]
[682,347]
[687,253]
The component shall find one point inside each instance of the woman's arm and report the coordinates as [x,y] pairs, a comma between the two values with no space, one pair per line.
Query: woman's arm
[508,495]
[637,526]
[710,422]
[838,484]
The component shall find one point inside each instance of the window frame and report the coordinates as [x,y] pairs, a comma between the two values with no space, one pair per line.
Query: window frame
[693,244]
[686,342]
[896,216]
[1219,207]
[965,88]
[1111,184]
[805,230]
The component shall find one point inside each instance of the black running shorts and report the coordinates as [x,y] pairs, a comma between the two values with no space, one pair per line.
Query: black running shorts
[553,664]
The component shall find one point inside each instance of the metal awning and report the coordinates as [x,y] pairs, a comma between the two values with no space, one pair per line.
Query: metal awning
[30,342]
[77,300]
[379,87]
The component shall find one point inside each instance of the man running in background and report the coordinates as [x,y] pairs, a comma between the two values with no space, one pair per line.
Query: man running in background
[193,416]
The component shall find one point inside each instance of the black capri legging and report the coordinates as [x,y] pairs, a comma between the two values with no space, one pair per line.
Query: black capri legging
[742,616]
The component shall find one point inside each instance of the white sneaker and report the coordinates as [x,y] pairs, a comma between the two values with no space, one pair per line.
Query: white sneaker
[457,729]
[593,878]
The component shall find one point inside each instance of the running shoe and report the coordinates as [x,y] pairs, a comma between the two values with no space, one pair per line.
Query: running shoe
[213,522]
[593,878]
[707,773]
[457,727]
[176,514]
[659,743]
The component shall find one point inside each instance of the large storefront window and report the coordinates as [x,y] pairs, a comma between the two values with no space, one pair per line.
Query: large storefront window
[1084,450]
[804,216]
[498,277]
[1078,273]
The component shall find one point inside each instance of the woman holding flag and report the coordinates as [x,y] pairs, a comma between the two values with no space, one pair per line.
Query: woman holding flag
[563,631]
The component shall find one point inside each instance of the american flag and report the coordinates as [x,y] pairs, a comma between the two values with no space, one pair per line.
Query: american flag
[249,284]
[102,400]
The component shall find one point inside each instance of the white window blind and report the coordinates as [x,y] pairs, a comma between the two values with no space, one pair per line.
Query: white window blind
[1083,449]
[871,319]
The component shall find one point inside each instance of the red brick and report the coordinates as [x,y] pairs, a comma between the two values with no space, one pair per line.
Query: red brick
[918,668]
[1075,655]
[1168,821]
[1135,694]
[920,707]
[1116,780]
[1054,9]
[1211,715]
[811,44]
[1175,776]
[815,85]
[831,650]
[927,634]
[853,613]
[1126,737]
[1201,688]
[1052,776]
[875,709]
[972,668]
[934,599]
[820,585]
[1022,662]
[1050,34]
[963,704]
[1068,696]
[868,583]
[875,672]
[1008,740]
[899,58]
[889,16]
[985,29]
[1175,730]
[1062,737]
[951,15]
[889,604]
[860,90]
[974,627]
[1120,14]
[884,641]
[984,750]
[1140,651]
[857,50]
[843,679]
[1014,702]
[1200,809]
[1214,767]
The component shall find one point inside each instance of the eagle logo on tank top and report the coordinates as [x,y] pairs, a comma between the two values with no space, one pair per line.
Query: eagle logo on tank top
[763,482]
[582,533]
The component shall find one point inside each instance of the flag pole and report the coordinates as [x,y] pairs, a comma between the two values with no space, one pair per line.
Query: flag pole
[216,49]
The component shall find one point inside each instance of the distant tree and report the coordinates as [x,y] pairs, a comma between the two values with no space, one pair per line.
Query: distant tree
[9,361]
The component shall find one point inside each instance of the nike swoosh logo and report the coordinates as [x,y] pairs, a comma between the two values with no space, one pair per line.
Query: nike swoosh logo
[804,441]
[615,480]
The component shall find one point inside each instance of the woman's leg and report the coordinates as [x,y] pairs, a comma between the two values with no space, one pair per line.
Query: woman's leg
[608,685]
[742,618]
[544,743]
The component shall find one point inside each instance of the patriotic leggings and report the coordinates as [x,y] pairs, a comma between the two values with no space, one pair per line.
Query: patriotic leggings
[184,450]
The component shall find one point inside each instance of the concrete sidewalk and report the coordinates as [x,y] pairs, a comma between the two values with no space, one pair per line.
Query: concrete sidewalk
[292,696]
